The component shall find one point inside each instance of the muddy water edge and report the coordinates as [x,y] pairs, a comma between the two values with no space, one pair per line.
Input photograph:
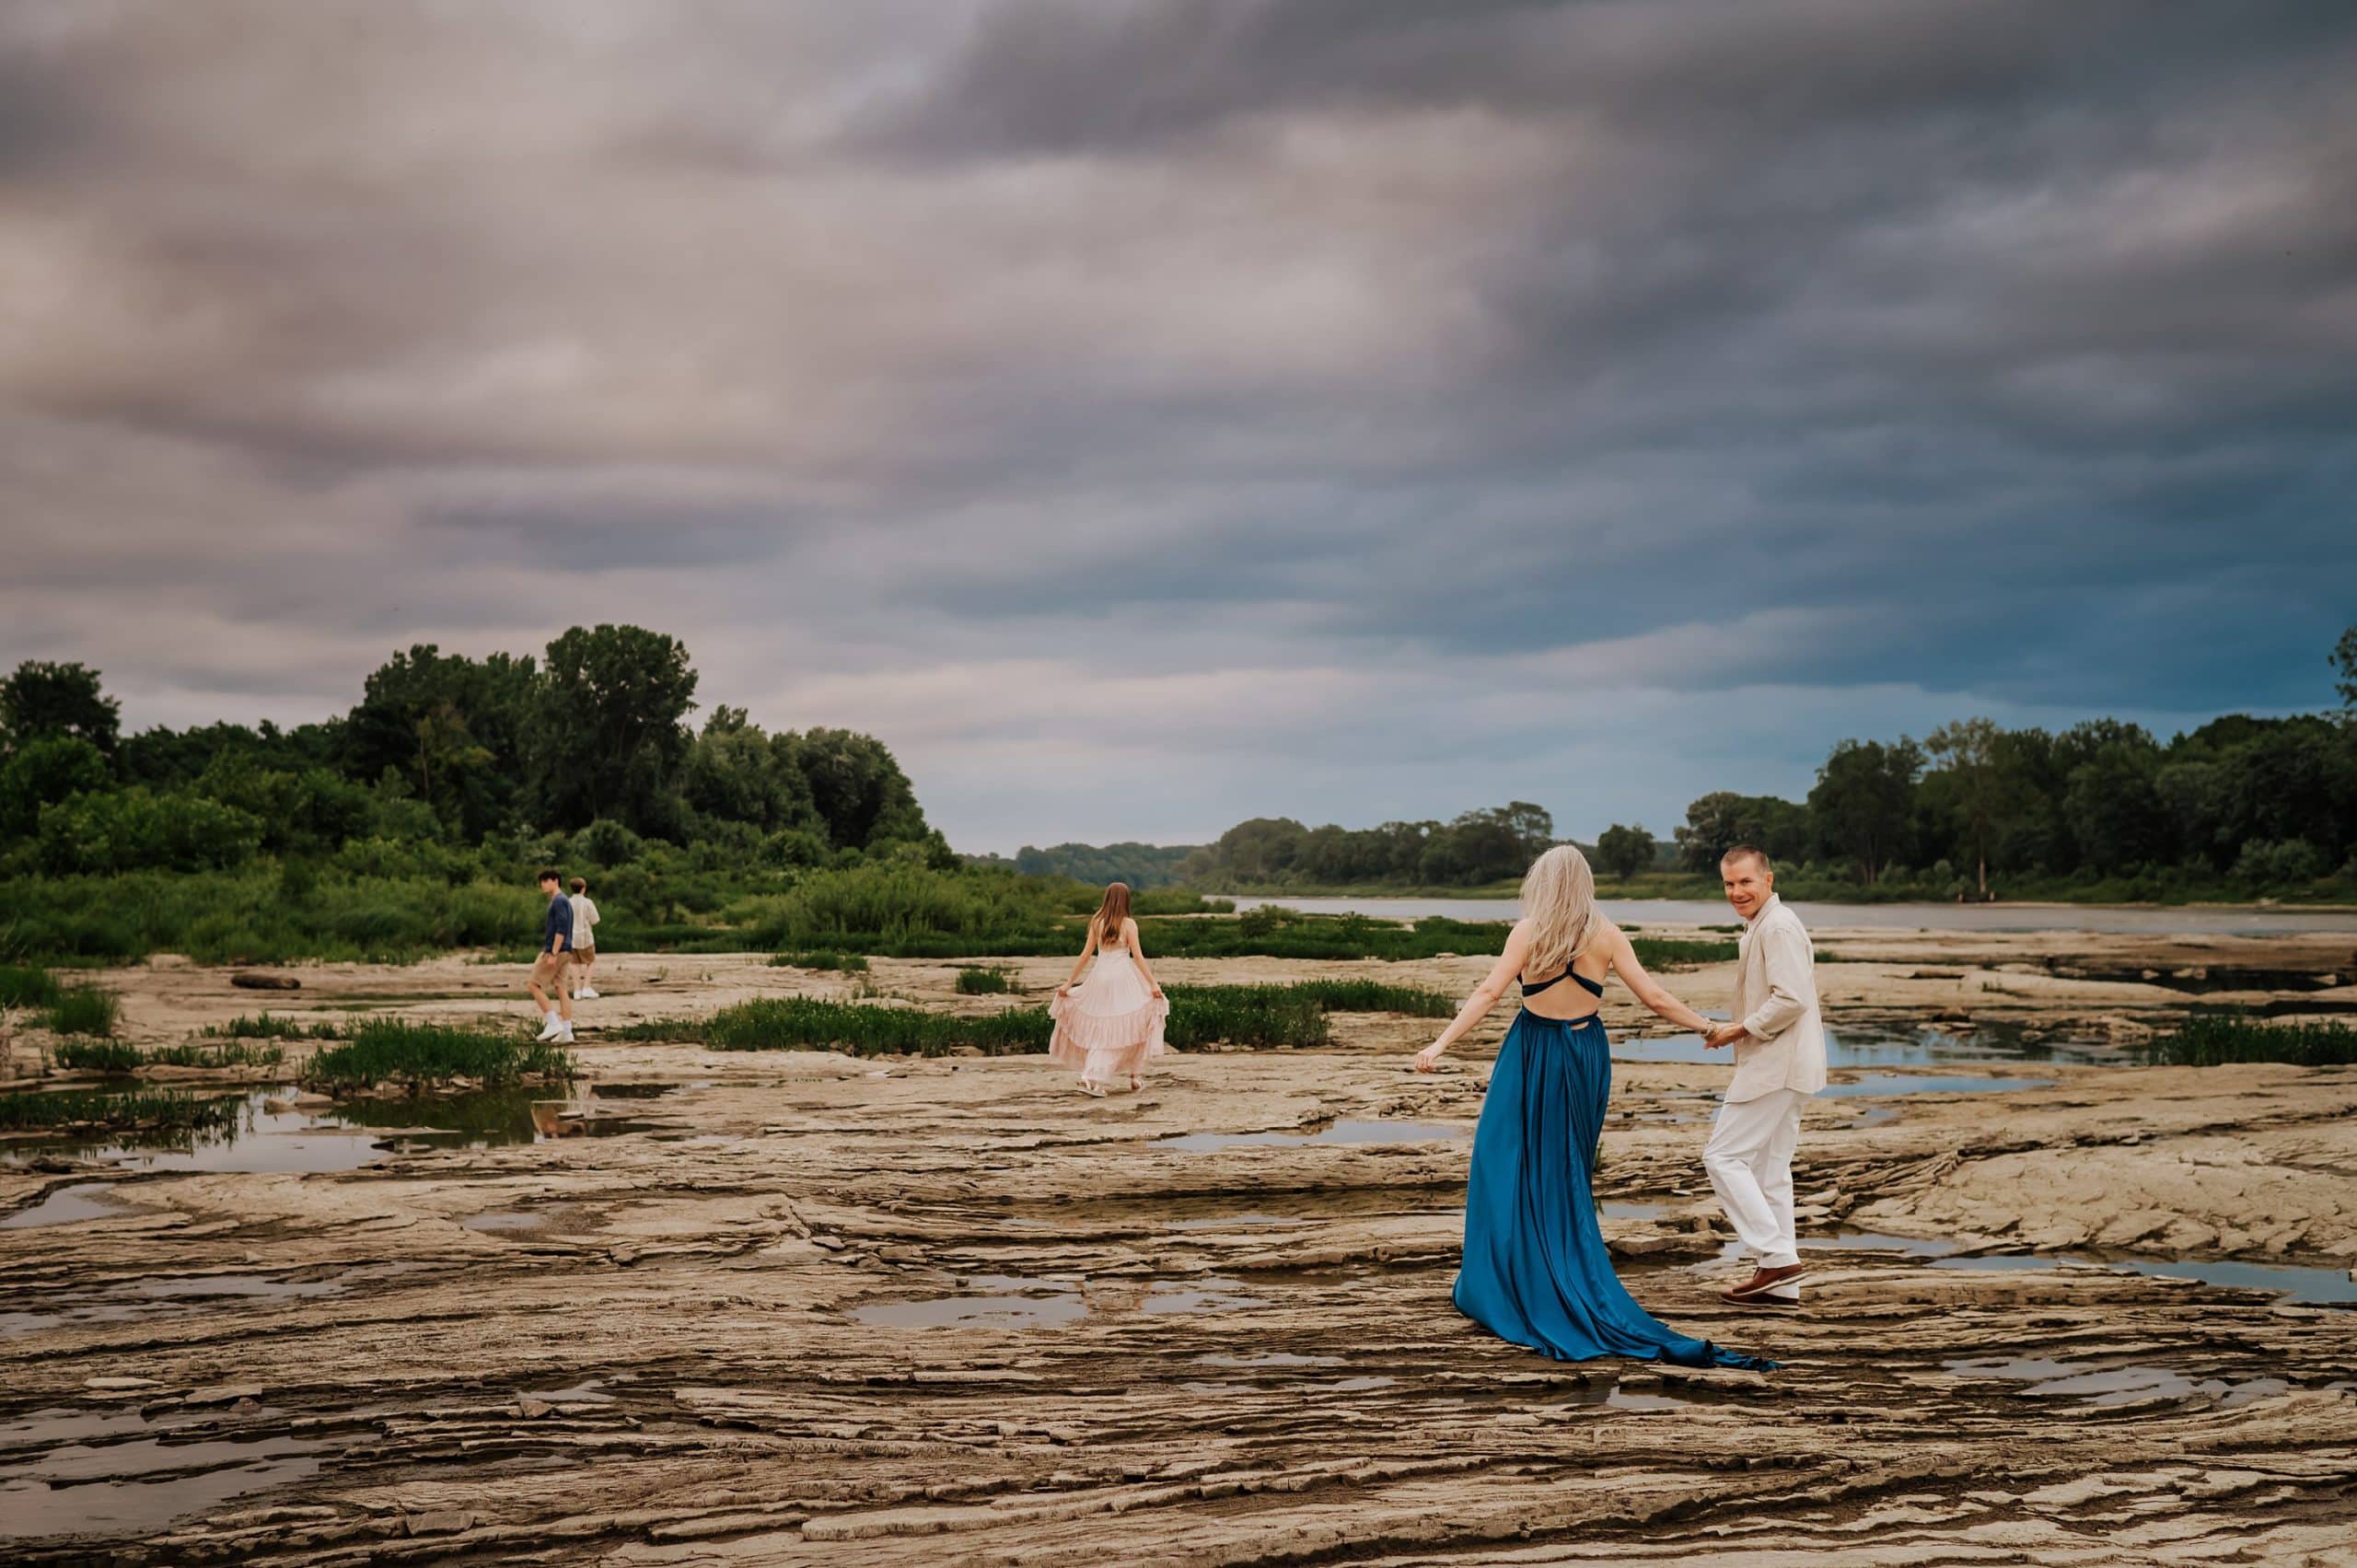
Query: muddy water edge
[800,1308]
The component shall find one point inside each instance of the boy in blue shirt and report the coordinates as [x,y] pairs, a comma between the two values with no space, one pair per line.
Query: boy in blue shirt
[555,956]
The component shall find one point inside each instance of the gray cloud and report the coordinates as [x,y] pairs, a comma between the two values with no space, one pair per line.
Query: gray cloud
[1144,414]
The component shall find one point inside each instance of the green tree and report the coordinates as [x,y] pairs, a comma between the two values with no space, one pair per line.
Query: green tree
[607,735]
[452,727]
[1863,802]
[41,699]
[1624,851]
[44,771]
[1718,821]
[734,772]
[858,789]
[1966,752]
[2344,661]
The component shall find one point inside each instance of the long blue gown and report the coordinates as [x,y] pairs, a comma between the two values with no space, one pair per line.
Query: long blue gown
[1535,1271]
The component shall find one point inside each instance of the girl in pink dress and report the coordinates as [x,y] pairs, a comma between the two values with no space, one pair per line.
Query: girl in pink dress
[1114,1022]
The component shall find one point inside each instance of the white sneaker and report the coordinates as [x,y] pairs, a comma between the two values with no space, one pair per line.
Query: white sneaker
[549,1030]
[563,1035]
[584,994]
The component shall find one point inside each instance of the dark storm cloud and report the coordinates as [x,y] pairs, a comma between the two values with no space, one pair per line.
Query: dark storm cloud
[1149,412]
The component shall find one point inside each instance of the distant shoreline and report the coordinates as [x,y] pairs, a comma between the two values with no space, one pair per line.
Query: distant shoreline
[1697,892]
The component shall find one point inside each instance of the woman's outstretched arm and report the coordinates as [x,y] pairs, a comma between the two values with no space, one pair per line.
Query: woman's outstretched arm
[1137,952]
[1080,963]
[1485,996]
[1650,991]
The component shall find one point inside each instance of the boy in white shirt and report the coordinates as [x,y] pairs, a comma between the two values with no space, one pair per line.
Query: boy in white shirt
[584,939]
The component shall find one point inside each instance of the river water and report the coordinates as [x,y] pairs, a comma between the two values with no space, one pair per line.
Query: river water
[2188,920]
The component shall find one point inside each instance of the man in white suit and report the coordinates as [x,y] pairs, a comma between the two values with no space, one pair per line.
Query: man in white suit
[1779,1039]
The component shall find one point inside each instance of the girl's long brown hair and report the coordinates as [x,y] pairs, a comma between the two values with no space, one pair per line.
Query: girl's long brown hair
[1107,922]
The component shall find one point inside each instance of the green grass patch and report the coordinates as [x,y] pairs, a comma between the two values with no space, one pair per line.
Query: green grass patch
[99,1056]
[984,982]
[24,986]
[388,1051]
[842,963]
[86,1010]
[1263,1017]
[2214,1039]
[115,1109]
[119,1056]
[1670,952]
[269,1026]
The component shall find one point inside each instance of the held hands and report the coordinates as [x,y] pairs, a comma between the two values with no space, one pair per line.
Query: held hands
[1725,1034]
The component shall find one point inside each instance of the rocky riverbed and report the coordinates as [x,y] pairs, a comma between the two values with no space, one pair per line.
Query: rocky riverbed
[799,1307]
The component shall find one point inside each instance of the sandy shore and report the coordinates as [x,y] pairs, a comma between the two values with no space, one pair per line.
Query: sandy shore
[817,1309]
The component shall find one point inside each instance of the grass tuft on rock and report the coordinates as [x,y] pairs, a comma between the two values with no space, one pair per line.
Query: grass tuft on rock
[420,1055]
[2214,1039]
[119,1056]
[269,1026]
[980,982]
[86,1010]
[27,986]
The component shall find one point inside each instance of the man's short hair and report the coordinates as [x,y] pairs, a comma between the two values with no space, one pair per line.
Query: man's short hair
[549,875]
[1748,852]
[579,886]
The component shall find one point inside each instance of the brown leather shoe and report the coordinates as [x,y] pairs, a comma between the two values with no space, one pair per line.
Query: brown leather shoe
[1772,1303]
[1767,1279]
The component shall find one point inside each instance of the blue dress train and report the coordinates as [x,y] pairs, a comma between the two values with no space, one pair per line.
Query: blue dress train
[1535,1270]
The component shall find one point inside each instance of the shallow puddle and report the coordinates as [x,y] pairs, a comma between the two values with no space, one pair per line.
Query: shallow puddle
[1926,1048]
[83,1201]
[1344,1132]
[1922,1084]
[1005,1301]
[112,1472]
[2090,1384]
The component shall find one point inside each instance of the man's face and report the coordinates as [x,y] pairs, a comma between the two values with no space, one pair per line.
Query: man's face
[1747,883]
[548,887]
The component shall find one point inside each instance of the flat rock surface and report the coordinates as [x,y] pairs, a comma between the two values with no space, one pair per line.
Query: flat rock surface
[825,1310]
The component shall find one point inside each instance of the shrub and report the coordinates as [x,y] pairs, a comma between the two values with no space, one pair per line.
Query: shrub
[99,1056]
[846,963]
[269,1027]
[26,987]
[2213,1039]
[1667,952]
[85,1010]
[984,982]
[116,1109]
[389,1051]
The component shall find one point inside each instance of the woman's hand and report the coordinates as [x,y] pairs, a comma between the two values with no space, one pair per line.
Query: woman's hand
[1064,990]
[1154,992]
[1428,1058]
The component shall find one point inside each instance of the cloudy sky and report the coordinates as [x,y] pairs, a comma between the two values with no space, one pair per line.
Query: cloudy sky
[1147,413]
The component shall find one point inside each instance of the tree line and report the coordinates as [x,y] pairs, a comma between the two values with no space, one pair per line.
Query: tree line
[591,738]
[1971,811]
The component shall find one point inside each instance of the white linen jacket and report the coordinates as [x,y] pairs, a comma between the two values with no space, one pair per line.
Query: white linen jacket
[1775,998]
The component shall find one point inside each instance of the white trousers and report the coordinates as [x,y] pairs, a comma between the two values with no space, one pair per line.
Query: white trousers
[1750,1158]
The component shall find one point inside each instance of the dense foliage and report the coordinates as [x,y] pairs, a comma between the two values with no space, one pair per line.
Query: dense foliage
[1141,866]
[1477,847]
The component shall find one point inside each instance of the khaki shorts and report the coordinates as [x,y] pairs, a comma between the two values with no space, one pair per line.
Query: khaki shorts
[584,955]
[549,968]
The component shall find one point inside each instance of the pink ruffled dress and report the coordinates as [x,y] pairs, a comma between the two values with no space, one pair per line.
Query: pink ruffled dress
[1112,1022]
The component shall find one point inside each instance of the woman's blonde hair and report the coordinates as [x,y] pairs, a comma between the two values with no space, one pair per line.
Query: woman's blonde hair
[1559,899]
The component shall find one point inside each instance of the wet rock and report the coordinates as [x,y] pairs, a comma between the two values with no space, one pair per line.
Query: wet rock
[247,980]
[441,1522]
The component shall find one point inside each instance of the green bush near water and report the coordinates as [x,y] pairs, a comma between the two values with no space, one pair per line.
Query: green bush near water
[984,982]
[389,1050]
[2214,1040]
[115,1109]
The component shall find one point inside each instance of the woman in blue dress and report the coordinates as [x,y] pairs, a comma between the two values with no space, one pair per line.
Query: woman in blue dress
[1535,1270]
